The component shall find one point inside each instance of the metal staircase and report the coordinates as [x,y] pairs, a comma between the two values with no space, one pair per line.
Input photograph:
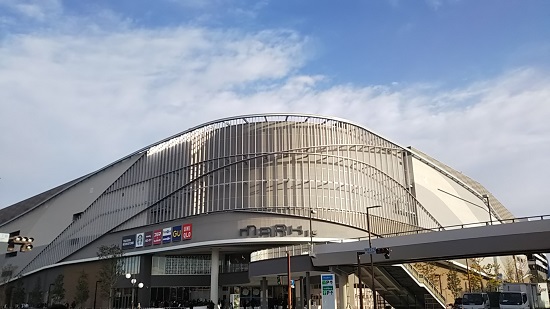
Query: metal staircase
[409,288]
[401,286]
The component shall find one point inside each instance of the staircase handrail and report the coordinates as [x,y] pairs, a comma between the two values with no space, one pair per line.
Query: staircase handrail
[427,283]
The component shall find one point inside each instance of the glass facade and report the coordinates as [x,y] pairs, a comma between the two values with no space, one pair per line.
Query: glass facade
[285,164]
[177,296]
[130,265]
[199,264]
[249,296]
[181,265]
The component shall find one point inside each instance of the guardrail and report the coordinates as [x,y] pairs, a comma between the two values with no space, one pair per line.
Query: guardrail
[446,228]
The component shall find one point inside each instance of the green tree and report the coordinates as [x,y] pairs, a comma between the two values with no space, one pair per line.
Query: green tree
[427,270]
[58,289]
[36,296]
[82,290]
[494,282]
[515,269]
[475,272]
[111,268]
[509,270]
[454,283]
[18,294]
[7,274]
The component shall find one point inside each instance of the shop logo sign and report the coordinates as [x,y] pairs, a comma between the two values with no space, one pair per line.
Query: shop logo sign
[176,233]
[157,237]
[148,239]
[278,230]
[187,231]
[139,240]
[166,235]
[129,242]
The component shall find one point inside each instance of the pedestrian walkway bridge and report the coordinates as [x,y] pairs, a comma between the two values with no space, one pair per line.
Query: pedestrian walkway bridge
[395,279]
[528,235]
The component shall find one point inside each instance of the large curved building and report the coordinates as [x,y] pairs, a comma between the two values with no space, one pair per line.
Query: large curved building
[190,210]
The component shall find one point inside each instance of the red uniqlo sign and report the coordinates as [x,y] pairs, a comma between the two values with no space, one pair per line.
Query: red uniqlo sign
[157,237]
[187,231]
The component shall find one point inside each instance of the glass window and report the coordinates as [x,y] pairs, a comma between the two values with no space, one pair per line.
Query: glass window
[510,298]
[181,265]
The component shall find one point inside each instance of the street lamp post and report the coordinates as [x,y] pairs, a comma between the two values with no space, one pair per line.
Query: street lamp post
[468,273]
[359,277]
[95,293]
[486,199]
[133,281]
[370,254]
[311,212]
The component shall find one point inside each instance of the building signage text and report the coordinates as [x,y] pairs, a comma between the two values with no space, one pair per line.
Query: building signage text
[166,235]
[187,231]
[176,233]
[278,230]
[148,239]
[157,237]
[128,242]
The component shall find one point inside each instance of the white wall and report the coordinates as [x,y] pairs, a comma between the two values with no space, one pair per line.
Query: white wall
[49,219]
[446,200]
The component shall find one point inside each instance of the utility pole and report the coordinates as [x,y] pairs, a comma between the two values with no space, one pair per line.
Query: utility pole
[359,277]
[371,262]
[289,280]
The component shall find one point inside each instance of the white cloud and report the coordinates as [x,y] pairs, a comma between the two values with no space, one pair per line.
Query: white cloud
[32,9]
[73,101]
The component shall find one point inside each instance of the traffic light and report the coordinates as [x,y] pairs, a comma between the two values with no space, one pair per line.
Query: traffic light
[278,280]
[25,243]
[385,251]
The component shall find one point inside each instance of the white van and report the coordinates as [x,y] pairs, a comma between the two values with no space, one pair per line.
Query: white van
[475,301]
[514,300]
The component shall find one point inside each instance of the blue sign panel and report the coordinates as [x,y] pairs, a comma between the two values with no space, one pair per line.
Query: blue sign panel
[166,235]
[176,233]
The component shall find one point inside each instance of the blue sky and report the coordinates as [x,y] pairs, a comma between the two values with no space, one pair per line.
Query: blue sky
[83,83]
[373,42]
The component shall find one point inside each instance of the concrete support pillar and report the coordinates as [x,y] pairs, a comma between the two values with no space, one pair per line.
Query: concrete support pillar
[144,294]
[214,274]
[342,291]
[308,290]
[263,293]
[351,290]
[299,293]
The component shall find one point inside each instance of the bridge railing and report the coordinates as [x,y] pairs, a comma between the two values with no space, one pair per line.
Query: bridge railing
[469,225]
[447,228]
[303,249]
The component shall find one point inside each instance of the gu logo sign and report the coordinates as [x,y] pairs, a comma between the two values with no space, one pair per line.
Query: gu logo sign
[176,233]
[278,230]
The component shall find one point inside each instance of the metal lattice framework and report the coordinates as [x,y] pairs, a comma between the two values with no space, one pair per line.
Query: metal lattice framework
[285,164]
